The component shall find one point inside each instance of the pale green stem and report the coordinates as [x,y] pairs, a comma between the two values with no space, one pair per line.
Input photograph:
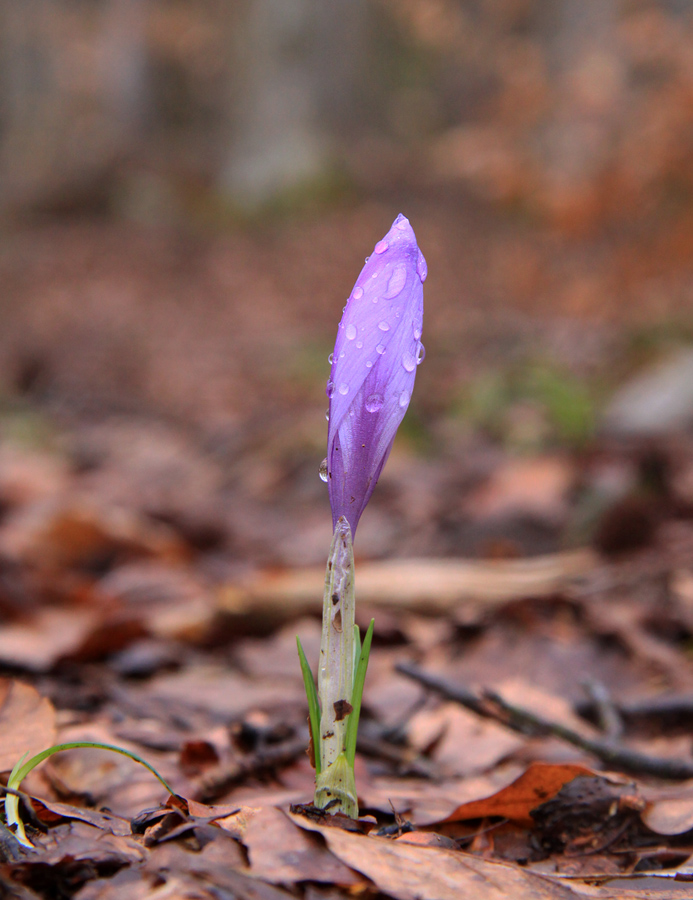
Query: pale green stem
[335,787]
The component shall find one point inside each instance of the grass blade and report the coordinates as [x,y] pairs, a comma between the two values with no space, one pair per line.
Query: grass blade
[22,769]
[359,681]
[313,706]
[357,646]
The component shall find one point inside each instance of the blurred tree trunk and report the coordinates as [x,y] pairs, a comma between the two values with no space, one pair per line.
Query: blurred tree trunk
[298,73]
[72,85]
[588,74]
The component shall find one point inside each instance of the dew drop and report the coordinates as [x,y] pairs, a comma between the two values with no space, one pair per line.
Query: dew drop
[322,471]
[359,345]
[421,267]
[329,390]
[383,326]
[404,399]
[397,281]
[330,358]
[342,354]
[367,258]
[417,331]
[369,364]
[402,222]
[350,332]
[358,293]
[420,354]
[374,403]
[343,388]
[408,361]
[381,247]
[327,414]
[380,348]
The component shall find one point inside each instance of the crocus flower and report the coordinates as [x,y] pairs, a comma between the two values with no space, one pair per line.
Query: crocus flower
[374,364]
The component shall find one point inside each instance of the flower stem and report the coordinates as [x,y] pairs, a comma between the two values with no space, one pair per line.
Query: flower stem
[335,788]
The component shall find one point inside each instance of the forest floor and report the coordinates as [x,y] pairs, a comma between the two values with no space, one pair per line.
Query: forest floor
[527,557]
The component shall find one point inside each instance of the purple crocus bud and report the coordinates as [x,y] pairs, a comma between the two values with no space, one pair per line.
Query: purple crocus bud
[374,364]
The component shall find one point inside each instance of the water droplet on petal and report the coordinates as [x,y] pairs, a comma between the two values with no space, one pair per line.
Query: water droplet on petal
[417,331]
[374,403]
[381,246]
[343,388]
[322,471]
[367,258]
[397,281]
[404,399]
[369,364]
[330,358]
[383,326]
[342,354]
[327,414]
[420,354]
[350,332]
[358,293]
[329,390]
[402,222]
[421,267]
[359,345]
[380,348]
[408,361]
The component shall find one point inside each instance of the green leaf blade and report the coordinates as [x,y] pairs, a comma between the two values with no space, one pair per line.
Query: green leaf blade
[313,705]
[357,695]
[22,769]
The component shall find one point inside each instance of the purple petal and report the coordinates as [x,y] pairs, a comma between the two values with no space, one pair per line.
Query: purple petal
[373,370]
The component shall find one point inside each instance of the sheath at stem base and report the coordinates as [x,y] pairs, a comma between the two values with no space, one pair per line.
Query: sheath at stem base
[335,783]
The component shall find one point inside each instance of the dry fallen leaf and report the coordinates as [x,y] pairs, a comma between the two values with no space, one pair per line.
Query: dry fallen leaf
[670,811]
[37,643]
[538,784]
[60,533]
[27,722]
[464,742]
[535,485]
[282,853]
[51,812]
[410,872]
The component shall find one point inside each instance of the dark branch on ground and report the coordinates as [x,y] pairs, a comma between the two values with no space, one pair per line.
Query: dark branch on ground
[218,780]
[491,705]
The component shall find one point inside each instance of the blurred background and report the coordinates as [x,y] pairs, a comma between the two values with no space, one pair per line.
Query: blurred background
[188,189]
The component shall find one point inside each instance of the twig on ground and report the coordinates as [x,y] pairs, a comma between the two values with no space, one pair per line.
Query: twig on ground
[666,707]
[607,713]
[493,706]
[221,778]
[375,745]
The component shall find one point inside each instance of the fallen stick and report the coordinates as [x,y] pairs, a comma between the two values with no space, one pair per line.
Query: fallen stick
[429,585]
[492,706]
[223,777]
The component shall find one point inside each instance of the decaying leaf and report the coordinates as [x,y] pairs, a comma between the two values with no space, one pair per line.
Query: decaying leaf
[27,722]
[281,853]
[538,784]
[410,872]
